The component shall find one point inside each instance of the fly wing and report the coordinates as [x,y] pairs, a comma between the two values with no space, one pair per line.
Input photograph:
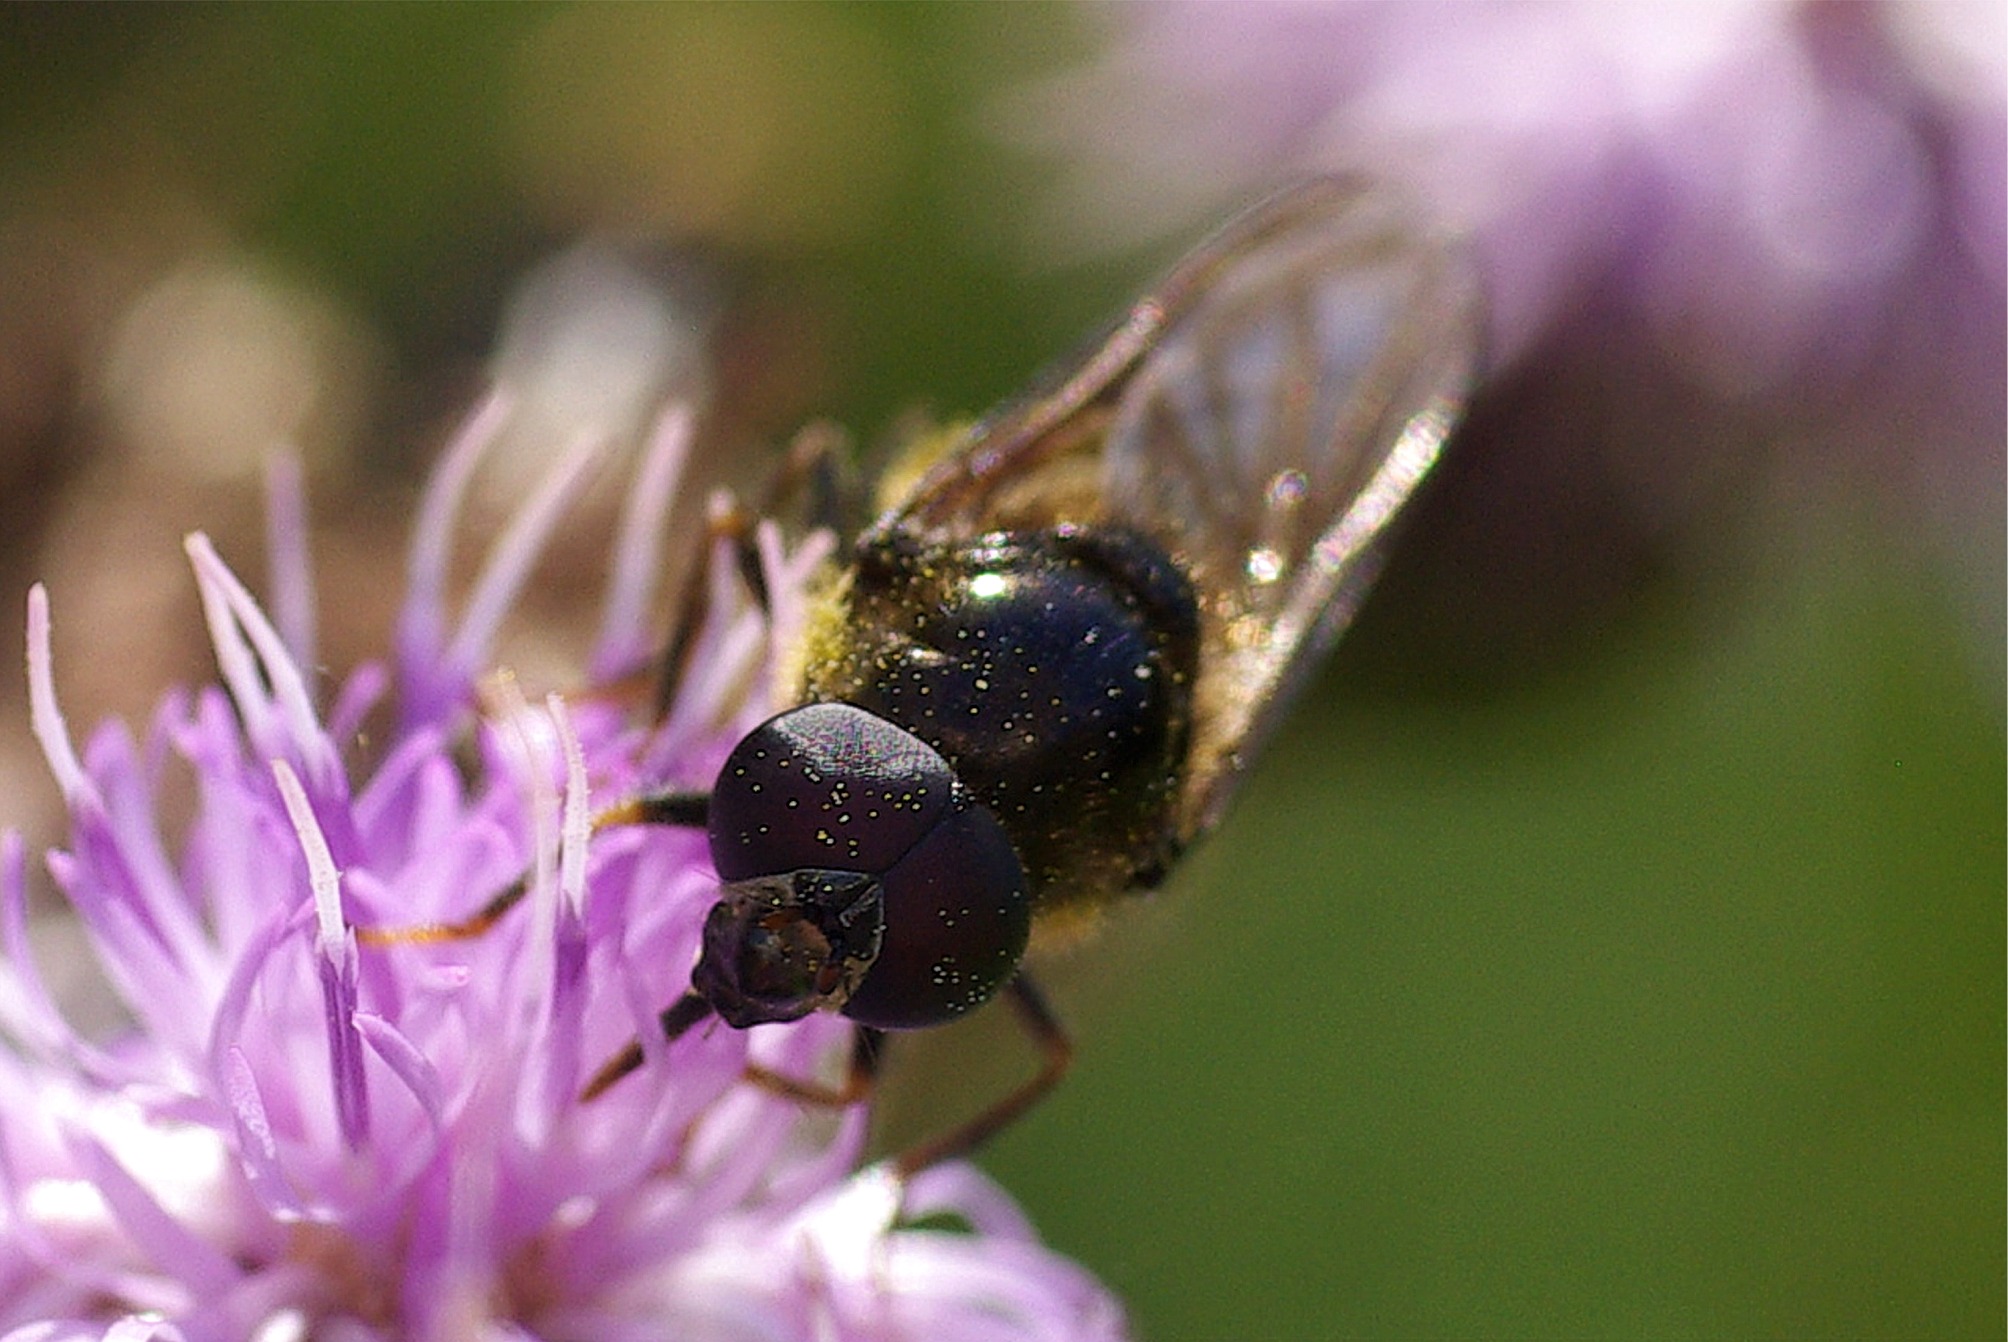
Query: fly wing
[1272,432]
[1262,415]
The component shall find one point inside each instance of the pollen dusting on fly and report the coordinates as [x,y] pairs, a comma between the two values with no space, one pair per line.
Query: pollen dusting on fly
[1093,606]
[1070,629]
[1097,602]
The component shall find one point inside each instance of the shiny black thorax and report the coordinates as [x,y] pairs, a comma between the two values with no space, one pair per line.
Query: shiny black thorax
[1053,669]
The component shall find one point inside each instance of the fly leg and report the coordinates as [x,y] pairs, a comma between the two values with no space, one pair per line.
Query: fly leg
[681,809]
[860,1077]
[814,466]
[1036,1015]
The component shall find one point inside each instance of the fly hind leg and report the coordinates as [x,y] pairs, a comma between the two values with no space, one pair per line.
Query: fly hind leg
[1029,1004]
[1037,1018]
[815,468]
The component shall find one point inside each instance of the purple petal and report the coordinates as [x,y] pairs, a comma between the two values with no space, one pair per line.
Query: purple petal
[334,963]
[515,552]
[173,1246]
[624,641]
[293,731]
[291,572]
[46,718]
[421,631]
[257,1147]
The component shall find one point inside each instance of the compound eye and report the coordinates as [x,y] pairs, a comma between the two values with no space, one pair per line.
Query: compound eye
[915,888]
[826,786]
[958,912]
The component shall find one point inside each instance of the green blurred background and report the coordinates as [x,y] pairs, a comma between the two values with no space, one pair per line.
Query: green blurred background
[1612,946]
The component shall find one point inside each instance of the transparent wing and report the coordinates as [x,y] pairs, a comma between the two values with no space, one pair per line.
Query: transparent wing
[1263,415]
[1273,432]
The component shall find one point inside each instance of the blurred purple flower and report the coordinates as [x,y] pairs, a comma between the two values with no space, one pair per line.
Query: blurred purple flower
[1712,234]
[1779,164]
[300,1138]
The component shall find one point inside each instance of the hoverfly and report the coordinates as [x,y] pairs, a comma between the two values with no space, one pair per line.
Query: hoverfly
[1047,665]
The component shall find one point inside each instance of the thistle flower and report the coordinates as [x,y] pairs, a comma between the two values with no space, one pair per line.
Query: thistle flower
[301,1137]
